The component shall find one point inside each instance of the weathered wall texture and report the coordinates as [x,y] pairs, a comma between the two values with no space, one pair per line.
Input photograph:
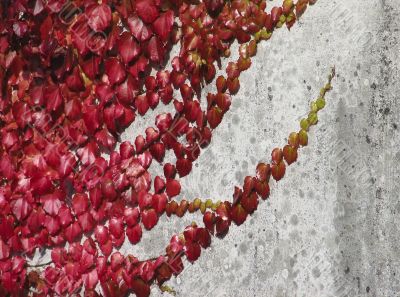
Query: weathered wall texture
[331,227]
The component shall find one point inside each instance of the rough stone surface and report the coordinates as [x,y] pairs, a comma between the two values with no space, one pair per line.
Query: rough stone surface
[331,227]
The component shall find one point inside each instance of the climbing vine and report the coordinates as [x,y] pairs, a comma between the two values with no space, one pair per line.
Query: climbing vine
[73,76]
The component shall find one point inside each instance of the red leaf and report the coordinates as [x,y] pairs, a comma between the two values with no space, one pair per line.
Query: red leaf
[145,159]
[214,6]
[153,99]
[65,216]
[262,189]
[115,71]
[204,237]
[145,200]
[101,234]
[134,233]
[141,104]
[40,185]
[39,6]
[21,208]
[86,222]
[232,70]
[214,117]
[51,204]
[173,188]
[151,135]
[276,13]
[53,98]
[20,28]
[91,117]
[169,170]
[183,166]
[91,66]
[75,82]
[131,216]
[278,170]
[116,260]
[263,172]
[141,31]
[192,251]
[58,256]
[158,151]
[159,184]
[90,279]
[250,202]
[163,25]
[248,185]
[139,67]
[72,232]
[88,155]
[222,225]
[163,122]
[73,109]
[277,155]
[6,167]
[4,250]
[140,288]
[99,17]
[127,91]
[159,203]
[67,164]
[147,10]
[290,154]
[80,203]
[52,225]
[238,214]
[155,50]
[149,218]
[128,48]
[116,227]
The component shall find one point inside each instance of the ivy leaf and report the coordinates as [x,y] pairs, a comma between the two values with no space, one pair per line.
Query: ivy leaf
[149,218]
[147,10]
[99,17]
[4,250]
[162,26]
[128,48]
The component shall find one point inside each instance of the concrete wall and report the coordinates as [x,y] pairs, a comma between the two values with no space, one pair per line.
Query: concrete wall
[331,227]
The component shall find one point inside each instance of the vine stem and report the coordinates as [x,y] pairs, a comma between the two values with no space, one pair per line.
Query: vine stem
[40,265]
[51,262]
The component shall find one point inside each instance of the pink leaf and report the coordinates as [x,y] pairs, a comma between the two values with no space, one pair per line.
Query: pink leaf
[91,279]
[4,250]
[21,208]
[141,31]
[52,225]
[51,204]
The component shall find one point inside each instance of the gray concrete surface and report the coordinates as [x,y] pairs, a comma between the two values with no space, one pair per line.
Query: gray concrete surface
[331,227]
